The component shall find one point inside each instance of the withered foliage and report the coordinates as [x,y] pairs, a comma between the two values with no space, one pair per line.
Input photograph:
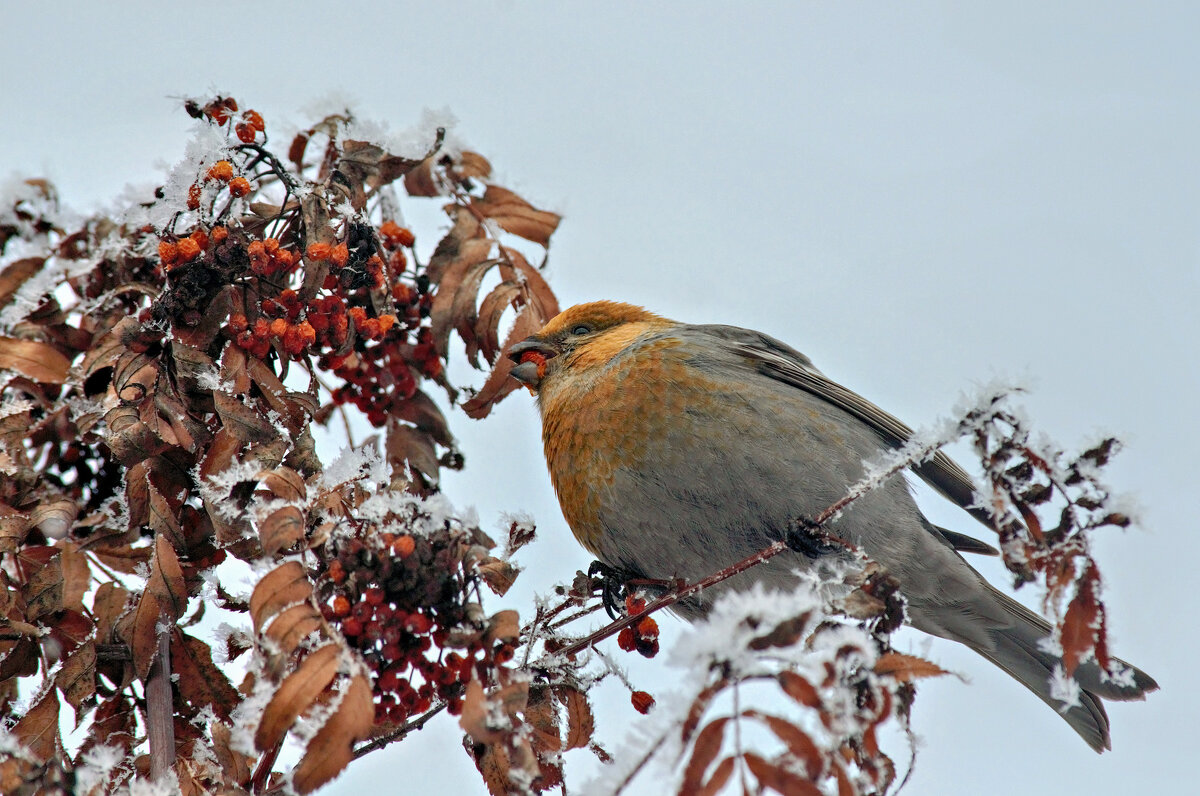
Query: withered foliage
[160,376]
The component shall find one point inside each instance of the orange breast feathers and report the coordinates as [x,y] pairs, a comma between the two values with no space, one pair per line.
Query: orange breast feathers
[594,418]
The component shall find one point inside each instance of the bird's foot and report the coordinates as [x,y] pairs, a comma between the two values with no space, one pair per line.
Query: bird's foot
[812,540]
[611,585]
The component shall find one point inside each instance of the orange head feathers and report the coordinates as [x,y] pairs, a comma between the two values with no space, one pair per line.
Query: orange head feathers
[581,337]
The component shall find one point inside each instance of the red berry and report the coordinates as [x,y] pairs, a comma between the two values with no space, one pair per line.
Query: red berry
[239,186]
[626,639]
[647,628]
[642,702]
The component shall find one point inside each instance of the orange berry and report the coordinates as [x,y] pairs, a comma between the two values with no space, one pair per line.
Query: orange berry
[370,329]
[539,358]
[193,200]
[337,572]
[386,322]
[221,171]
[341,606]
[319,251]
[245,133]
[389,230]
[279,327]
[626,639]
[403,546]
[293,340]
[271,245]
[340,255]
[403,294]
[406,237]
[219,234]
[238,323]
[239,186]
[359,315]
[201,238]
[262,328]
[256,250]
[167,252]
[188,249]
[254,119]
[307,333]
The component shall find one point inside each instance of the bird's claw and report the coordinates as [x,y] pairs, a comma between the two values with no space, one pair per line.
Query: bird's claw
[612,587]
[810,539]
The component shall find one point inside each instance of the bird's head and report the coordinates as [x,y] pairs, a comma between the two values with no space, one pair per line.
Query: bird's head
[582,337]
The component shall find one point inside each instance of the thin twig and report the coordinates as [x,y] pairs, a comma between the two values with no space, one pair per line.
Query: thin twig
[160,721]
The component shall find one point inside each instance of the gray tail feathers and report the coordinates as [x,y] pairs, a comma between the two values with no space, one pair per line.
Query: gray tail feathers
[1016,650]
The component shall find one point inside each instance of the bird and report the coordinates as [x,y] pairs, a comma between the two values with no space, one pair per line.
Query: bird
[676,450]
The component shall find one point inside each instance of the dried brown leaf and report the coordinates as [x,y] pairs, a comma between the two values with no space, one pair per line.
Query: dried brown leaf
[906,667]
[581,724]
[799,743]
[286,584]
[423,413]
[331,749]
[800,689]
[699,707]
[516,215]
[43,591]
[281,529]
[1083,617]
[704,751]
[458,285]
[37,730]
[54,518]
[491,310]
[41,362]
[473,164]
[164,600]
[282,483]
[245,423]
[199,681]
[293,625]
[77,677]
[474,718]
[778,778]
[718,779]
[498,383]
[503,626]
[408,446]
[542,717]
[296,694]
[536,287]
[498,574]
[15,274]
[77,576]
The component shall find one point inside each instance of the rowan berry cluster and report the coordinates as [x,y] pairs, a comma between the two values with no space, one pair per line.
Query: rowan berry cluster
[403,604]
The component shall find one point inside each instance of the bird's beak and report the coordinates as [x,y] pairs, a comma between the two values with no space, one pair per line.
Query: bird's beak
[530,356]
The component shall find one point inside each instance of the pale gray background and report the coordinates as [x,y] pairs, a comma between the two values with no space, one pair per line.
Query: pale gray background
[918,195]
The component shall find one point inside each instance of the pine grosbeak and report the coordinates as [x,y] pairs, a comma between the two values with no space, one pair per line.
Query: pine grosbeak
[677,450]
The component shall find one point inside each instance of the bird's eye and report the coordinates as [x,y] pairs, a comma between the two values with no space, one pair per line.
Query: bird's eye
[581,329]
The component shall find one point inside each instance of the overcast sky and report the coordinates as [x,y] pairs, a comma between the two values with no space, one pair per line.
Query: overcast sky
[920,196]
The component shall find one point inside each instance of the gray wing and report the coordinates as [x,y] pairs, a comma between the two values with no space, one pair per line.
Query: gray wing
[784,363]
